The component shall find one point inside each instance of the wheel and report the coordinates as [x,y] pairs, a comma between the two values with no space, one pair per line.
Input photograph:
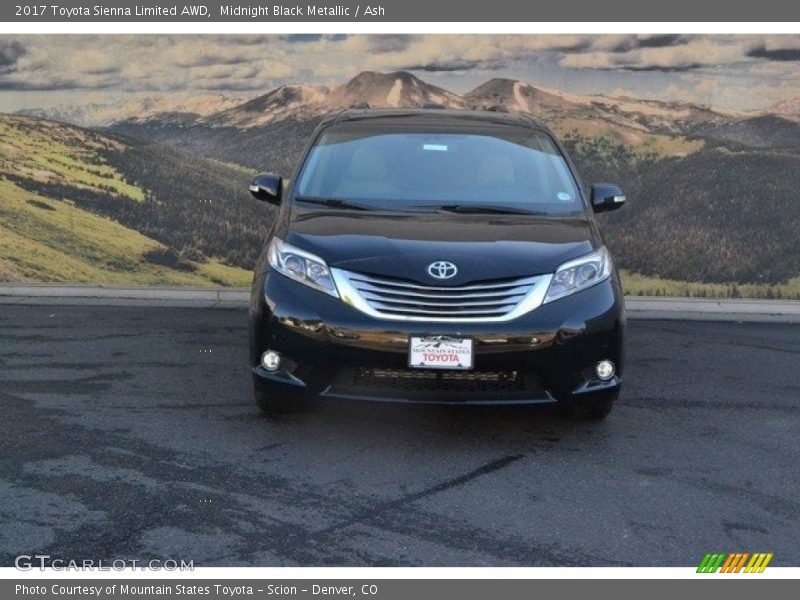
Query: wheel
[271,404]
[596,409]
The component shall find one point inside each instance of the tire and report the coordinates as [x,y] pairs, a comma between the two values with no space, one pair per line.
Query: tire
[596,409]
[270,404]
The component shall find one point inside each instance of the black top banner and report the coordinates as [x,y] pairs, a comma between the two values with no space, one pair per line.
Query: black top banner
[402,11]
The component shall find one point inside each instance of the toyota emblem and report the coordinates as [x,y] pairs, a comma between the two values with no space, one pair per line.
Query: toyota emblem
[442,269]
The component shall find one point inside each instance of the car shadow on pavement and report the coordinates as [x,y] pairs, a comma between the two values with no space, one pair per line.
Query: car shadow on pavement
[386,423]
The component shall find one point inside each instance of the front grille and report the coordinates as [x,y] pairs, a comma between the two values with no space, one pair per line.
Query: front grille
[398,298]
[444,386]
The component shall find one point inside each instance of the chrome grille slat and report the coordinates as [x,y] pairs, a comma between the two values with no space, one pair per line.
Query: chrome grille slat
[406,301]
[360,277]
[444,292]
[389,297]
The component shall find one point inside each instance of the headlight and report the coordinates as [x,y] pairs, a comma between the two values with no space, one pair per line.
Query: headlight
[301,266]
[579,274]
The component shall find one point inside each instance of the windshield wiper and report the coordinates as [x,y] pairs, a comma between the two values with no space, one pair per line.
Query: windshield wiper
[333,203]
[483,209]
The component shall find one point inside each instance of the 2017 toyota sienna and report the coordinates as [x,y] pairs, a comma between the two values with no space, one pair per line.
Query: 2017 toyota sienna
[436,256]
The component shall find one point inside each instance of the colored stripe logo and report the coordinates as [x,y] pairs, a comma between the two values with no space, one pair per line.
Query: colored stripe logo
[735,562]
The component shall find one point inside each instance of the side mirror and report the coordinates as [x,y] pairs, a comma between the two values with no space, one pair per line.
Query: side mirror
[606,196]
[267,188]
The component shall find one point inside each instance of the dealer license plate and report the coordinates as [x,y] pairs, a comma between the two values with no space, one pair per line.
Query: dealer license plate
[440,352]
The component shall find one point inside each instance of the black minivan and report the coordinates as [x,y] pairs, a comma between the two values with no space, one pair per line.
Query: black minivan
[436,256]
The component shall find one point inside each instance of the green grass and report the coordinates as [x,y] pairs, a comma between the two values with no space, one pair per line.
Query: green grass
[642,143]
[46,151]
[635,284]
[67,244]
[51,240]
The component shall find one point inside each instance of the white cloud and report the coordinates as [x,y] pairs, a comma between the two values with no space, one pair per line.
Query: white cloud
[705,51]
[124,65]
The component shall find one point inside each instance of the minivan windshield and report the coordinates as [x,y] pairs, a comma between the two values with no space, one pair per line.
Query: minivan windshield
[506,169]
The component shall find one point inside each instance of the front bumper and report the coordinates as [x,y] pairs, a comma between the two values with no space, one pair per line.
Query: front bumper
[331,350]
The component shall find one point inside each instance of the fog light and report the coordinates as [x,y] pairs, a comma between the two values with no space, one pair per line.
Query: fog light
[271,360]
[605,370]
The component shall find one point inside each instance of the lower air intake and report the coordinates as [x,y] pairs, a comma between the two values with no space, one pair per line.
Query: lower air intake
[441,386]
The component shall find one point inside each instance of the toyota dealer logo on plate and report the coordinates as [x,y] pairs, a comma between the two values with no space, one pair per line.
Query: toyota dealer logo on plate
[440,352]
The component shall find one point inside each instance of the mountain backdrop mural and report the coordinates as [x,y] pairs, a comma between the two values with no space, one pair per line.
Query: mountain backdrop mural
[149,186]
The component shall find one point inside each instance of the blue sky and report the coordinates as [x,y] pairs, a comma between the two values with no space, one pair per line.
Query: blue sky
[741,72]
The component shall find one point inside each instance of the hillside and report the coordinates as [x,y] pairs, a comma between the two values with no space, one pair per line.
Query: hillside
[763,131]
[303,102]
[666,128]
[289,101]
[99,115]
[620,115]
[788,108]
[80,206]
[260,133]
[266,133]
[715,216]
[710,190]
[273,147]
[702,182]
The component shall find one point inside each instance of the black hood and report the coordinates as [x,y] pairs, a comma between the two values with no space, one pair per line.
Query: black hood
[404,244]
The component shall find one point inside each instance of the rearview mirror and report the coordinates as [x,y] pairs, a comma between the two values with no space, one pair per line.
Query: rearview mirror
[267,188]
[606,196]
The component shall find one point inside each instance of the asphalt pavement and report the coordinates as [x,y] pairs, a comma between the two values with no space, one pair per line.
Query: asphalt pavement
[129,433]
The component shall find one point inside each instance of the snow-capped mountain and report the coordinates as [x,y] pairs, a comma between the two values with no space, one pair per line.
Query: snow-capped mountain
[295,101]
[516,96]
[300,102]
[391,90]
[622,117]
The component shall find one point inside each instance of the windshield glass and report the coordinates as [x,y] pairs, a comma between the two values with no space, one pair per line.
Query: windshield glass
[517,168]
